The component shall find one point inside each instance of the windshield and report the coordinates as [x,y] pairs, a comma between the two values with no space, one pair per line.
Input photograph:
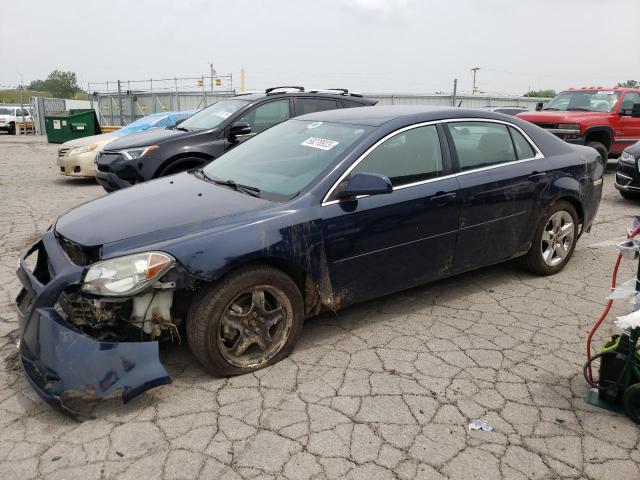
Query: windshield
[286,158]
[590,101]
[6,111]
[214,115]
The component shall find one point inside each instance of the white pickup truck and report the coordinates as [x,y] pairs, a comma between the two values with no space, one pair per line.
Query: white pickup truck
[10,115]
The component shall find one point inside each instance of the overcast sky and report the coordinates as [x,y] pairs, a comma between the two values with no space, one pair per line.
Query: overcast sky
[364,45]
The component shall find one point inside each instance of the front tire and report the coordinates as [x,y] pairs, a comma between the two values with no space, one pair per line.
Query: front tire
[247,321]
[554,240]
[602,150]
[12,128]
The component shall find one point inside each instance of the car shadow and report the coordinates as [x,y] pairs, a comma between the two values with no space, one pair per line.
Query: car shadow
[77,181]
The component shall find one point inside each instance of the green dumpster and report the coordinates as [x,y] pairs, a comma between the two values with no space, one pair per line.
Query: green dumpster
[72,124]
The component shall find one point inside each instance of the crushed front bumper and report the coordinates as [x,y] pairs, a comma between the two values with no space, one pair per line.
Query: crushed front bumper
[66,367]
[110,181]
[114,171]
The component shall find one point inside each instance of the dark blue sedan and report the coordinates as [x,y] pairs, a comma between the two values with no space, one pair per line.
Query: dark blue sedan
[316,213]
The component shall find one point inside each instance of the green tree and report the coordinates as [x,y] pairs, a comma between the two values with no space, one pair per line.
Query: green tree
[550,93]
[62,84]
[630,84]
[37,86]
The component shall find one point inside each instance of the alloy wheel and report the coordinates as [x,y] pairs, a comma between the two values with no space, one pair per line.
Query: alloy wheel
[557,238]
[255,326]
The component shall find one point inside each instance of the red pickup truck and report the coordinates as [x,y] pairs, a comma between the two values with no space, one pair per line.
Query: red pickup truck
[602,118]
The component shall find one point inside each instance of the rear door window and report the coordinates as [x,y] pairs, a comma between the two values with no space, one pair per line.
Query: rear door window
[310,105]
[408,157]
[267,115]
[481,144]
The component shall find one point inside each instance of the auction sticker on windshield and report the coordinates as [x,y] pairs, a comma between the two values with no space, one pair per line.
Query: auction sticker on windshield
[321,143]
[224,114]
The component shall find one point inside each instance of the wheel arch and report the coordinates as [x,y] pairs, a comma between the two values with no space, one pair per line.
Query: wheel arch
[181,159]
[307,286]
[601,133]
[576,203]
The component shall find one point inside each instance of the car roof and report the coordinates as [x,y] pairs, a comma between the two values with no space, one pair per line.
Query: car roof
[498,107]
[253,96]
[376,116]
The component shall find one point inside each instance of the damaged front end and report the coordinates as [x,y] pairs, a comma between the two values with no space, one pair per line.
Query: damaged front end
[90,329]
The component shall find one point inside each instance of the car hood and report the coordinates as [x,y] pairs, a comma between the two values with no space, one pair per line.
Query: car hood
[634,149]
[560,117]
[86,141]
[152,136]
[166,203]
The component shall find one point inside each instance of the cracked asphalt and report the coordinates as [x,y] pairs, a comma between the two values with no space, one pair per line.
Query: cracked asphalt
[381,390]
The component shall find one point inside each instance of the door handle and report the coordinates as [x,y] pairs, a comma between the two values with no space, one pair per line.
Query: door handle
[442,198]
[535,176]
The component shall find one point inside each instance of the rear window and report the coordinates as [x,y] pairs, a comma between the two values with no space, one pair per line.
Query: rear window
[481,144]
[523,147]
[310,105]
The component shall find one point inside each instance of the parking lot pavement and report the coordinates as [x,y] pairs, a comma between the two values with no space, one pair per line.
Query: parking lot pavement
[384,389]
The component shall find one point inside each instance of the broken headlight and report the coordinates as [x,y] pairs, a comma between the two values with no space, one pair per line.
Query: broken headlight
[126,275]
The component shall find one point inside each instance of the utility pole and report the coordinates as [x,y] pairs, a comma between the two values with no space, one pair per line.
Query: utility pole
[213,72]
[455,91]
[242,88]
[120,104]
[20,88]
[475,88]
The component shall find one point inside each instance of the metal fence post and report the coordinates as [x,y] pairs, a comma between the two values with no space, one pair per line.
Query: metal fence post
[132,110]
[120,104]
[177,96]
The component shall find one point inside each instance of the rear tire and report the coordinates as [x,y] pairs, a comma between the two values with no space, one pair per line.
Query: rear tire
[602,150]
[554,240]
[258,306]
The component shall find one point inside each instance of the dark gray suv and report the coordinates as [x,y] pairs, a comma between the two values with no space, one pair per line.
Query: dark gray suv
[212,131]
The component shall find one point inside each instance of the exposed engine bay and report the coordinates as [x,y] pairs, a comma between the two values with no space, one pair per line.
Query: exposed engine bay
[150,315]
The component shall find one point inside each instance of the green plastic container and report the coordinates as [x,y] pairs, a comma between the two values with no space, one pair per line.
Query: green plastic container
[76,123]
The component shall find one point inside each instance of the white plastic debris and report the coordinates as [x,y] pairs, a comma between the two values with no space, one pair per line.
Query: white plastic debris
[624,290]
[629,321]
[478,424]
[630,248]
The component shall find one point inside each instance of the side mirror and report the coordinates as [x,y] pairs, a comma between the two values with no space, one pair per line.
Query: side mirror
[539,106]
[631,112]
[239,128]
[365,184]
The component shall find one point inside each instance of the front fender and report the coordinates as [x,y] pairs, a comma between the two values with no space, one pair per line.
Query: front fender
[285,235]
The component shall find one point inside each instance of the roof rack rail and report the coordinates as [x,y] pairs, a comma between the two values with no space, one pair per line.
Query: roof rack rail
[341,91]
[272,89]
[248,92]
